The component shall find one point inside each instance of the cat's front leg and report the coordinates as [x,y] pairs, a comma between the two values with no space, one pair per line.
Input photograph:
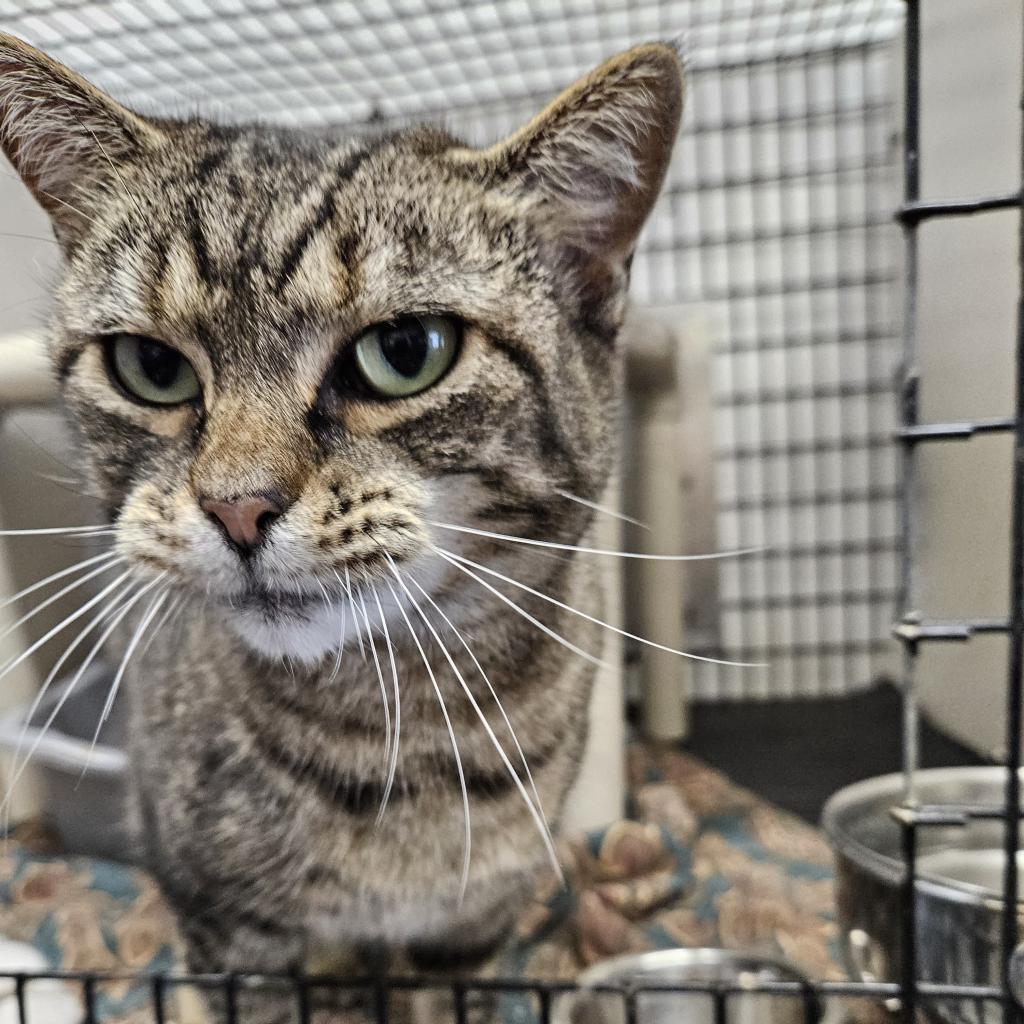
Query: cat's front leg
[223,944]
[455,959]
[295,989]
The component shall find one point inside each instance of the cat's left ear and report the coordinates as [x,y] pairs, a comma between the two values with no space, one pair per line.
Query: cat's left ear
[65,137]
[597,155]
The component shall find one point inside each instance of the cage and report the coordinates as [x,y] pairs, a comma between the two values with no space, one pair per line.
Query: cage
[772,242]
[774,239]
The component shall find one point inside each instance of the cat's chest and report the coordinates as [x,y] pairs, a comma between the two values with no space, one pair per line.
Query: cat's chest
[333,933]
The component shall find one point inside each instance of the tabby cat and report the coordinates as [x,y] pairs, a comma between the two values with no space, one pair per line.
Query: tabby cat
[317,380]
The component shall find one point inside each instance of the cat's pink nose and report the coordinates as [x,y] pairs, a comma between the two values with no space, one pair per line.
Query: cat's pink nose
[246,520]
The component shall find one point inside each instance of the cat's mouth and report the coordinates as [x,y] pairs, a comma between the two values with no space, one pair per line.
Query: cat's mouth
[289,623]
[275,604]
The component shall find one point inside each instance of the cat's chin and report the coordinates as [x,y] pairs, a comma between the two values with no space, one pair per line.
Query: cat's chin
[305,636]
[282,625]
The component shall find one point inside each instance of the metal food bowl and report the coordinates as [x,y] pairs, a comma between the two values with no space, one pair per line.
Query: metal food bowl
[959,885]
[740,972]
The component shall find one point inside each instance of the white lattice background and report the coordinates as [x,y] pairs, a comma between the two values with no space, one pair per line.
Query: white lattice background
[775,228]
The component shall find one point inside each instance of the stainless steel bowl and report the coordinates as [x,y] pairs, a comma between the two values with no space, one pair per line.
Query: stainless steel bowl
[958,889]
[689,967]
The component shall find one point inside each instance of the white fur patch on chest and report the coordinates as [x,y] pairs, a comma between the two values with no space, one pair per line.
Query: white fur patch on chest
[413,921]
[321,627]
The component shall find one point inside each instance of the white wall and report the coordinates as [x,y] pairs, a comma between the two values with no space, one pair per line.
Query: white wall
[969,282]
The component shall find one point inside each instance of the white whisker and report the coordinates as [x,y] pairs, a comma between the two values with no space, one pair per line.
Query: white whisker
[130,196]
[115,686]
[28,238]
[81,581]
[541,824]
[85,563]
[76,679]
[604,510]
[65,203]
[92,531]
[736,553]
[352,602]
[569,496]
[344,630]
[55,671]
[383,697]
[508,724]
[393,766]
[600,622]
[108,609]
[56,199]
[173,608]
[468,840]
[522,611]
[69,483]
[63,624]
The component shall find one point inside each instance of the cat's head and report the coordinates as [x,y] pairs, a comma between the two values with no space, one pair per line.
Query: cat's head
[290,356]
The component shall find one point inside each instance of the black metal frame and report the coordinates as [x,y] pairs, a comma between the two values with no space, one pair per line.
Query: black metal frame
[543,996]
[912,630]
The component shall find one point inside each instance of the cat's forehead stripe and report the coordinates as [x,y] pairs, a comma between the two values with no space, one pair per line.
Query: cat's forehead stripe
[269,252]
[325,213]
[285,237]
[178,287]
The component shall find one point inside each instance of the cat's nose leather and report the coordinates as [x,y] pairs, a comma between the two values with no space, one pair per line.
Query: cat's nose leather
[245,520]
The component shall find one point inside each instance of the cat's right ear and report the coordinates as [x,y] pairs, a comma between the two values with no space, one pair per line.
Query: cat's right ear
[597,155]
[64,136]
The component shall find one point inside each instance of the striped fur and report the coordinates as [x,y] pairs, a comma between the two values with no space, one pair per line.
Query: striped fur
[260,253]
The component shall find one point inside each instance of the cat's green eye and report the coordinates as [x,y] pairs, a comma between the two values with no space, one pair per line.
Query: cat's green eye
[151,371]
[406,355]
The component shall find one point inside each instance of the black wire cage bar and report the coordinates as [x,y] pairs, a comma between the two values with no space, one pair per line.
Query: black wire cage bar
[545,1001]
[548,1002]
[913,629]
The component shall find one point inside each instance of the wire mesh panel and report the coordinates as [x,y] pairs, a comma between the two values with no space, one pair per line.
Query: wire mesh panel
[775,230]
[774,233]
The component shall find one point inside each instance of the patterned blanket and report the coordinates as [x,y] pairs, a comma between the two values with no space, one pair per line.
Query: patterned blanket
[699,862]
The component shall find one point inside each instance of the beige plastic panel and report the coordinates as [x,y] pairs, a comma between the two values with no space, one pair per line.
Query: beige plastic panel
[24,379]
